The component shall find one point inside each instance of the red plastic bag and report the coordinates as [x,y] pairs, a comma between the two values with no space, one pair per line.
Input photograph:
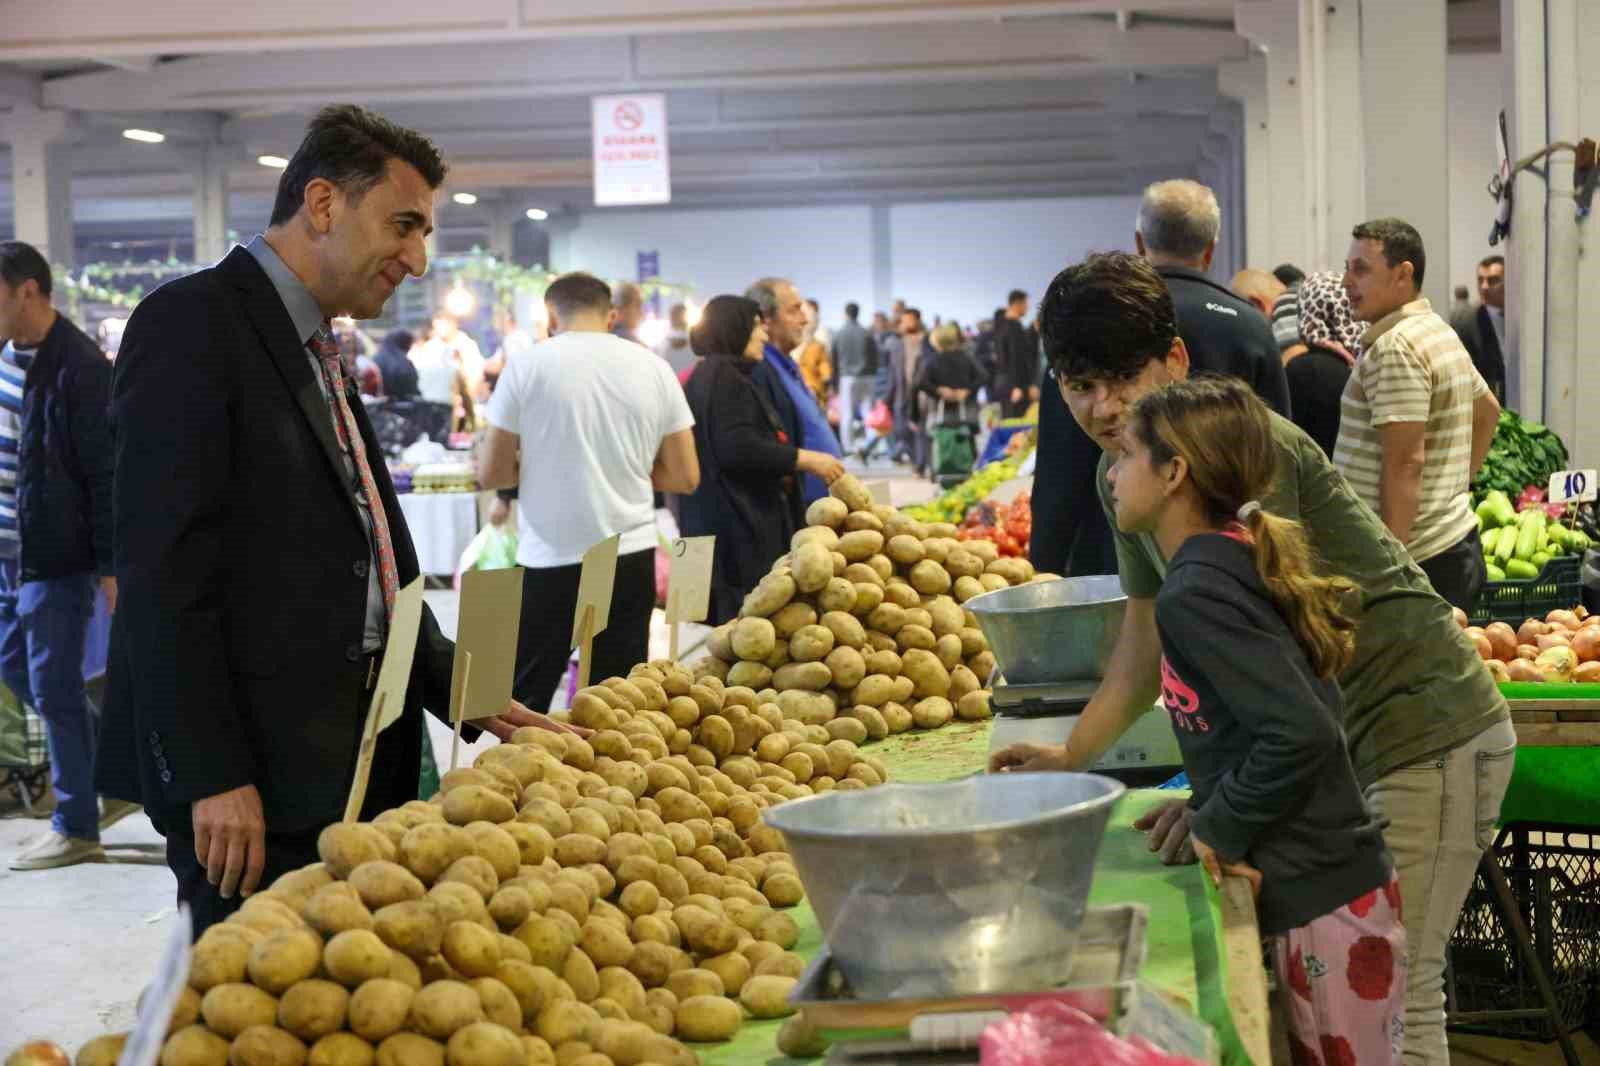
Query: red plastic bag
[879,420]
[1049,1034]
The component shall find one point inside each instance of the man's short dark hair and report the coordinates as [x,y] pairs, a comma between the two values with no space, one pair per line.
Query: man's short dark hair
[1492,260]
[1106,318]
[814,305]
[852,310]
[1401,244]
[914,312]
[21,262]
[351,147]
[1014,295]
[1289,274]
[572,294]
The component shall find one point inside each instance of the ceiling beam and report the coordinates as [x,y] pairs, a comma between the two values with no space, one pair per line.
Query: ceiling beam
[70,29]
[917,54]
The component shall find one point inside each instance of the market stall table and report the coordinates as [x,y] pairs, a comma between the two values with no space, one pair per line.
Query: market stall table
[442,524]
[1203,948]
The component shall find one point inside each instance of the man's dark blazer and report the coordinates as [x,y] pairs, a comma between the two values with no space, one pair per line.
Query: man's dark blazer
[1478,337]
[241,563]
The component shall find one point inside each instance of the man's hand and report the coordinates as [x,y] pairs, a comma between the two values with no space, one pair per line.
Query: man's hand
[230,838]
[1027,758]
[517,716]
[1215,867]
[1168,828]
[1016,395]
[108,586]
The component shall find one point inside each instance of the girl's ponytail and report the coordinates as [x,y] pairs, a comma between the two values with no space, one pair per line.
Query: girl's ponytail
[1313,605]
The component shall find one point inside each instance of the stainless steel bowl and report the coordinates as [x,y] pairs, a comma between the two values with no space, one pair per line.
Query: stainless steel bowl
[972,886]
[1048,631]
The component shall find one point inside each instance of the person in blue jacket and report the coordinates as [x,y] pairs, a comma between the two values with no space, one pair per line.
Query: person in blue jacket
[783,311]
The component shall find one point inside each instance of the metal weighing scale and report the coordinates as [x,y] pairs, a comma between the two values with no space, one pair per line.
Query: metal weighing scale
[1147,754]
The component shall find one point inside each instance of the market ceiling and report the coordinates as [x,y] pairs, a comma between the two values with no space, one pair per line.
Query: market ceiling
[811,101]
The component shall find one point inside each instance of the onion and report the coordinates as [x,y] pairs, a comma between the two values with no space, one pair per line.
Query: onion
[1530,630]
[1527,652]
[1556,663]
[1460,616]
[1497,670]
[1523,670]
[1554,640]
[1586,644]
[1503,639]
[1587,673]
[1565,619]
[1480,642]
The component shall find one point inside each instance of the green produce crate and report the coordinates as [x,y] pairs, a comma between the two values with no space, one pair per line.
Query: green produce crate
[1558,586]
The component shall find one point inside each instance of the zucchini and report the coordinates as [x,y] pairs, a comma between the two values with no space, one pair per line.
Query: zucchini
[1495,573]
[1528,527]
[1521,570]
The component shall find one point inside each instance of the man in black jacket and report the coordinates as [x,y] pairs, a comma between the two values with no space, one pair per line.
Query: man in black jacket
[55,537]
[1177,232]
[1016,357]
[1482,329]
[259,543]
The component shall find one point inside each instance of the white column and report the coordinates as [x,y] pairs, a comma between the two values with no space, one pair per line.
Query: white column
[1331,127]
[1586,443]
[1245,80]
[41,181]
[1522,35]
[503,218]
[1275,26]
[1404,123]
[882,257]
[1564,236]
[210,193]
[563,229]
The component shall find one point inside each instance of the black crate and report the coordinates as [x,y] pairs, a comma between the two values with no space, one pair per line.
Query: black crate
[1554,873]
[1558,587]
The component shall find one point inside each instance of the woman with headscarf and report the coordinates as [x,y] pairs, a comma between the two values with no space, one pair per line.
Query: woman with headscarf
[749,495]
[394,364]
[1318,368]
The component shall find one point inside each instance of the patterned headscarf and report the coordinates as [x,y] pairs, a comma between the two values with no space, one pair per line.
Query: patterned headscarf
[1326,318]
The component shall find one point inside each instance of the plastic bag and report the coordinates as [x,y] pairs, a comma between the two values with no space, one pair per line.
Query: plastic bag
[494,548]
[1048,1034]
[879,420]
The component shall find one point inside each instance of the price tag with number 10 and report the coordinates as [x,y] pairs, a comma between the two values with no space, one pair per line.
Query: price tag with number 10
[1573,486]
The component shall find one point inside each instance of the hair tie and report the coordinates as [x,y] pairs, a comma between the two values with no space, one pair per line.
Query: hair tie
[1249,508]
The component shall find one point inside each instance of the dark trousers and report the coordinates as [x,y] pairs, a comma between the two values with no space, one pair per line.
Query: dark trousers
[43,627]
[1458,573]
[544,643]
[393,781]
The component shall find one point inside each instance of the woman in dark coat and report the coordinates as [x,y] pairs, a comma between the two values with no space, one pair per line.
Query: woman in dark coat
[748,498]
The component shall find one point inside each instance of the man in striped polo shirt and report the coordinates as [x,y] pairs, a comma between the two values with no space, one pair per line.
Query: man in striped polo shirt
[55,537]
[1416,418]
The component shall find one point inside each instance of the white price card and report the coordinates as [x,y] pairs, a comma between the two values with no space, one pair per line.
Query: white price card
[1573,486]
[595,583]
[880,492]
[144,1043]
[689,587]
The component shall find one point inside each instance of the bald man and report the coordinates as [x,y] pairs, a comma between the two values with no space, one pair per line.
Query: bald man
[1259,289]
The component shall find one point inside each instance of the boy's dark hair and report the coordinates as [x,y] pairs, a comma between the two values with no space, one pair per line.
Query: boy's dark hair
[21,262]
[1106,317]
[1401,244]
[1289,274]
[852,310]
[1014,295]
[351,147]
[574,293]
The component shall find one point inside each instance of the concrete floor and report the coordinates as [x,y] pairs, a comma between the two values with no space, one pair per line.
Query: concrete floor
[80,943]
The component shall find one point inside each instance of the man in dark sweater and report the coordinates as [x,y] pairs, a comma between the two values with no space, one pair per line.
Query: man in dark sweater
[1016,357]
[1177,232]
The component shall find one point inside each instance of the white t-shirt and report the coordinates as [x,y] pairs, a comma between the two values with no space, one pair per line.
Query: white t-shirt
[591,411]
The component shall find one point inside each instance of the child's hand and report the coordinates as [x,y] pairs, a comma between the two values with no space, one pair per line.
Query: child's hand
[1027,757]
[1216,867]
[1168,827]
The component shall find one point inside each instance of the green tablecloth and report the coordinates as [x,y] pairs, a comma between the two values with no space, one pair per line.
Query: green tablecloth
[1554,785]
[1185,956]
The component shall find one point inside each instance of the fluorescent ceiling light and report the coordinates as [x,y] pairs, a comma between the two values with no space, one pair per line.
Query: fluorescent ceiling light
[276,162]
[144,136]
[538,214]
[465,199]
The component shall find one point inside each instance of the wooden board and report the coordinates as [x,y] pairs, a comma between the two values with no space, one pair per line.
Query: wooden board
[1558,734]
[1247,977]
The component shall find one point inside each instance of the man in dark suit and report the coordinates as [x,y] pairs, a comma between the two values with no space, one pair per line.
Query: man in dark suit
[259,543]
[1483,329]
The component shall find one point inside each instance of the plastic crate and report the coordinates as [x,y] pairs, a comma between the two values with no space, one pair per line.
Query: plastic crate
[1554,873]
[1558,586]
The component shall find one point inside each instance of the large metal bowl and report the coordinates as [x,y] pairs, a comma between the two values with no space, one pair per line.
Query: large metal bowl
[1049,631]
[973,886]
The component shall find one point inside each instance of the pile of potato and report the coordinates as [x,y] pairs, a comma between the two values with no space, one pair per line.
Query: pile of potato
[860,628]
[587,902]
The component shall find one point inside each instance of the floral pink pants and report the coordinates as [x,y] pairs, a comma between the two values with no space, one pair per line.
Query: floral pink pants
[1342,983]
